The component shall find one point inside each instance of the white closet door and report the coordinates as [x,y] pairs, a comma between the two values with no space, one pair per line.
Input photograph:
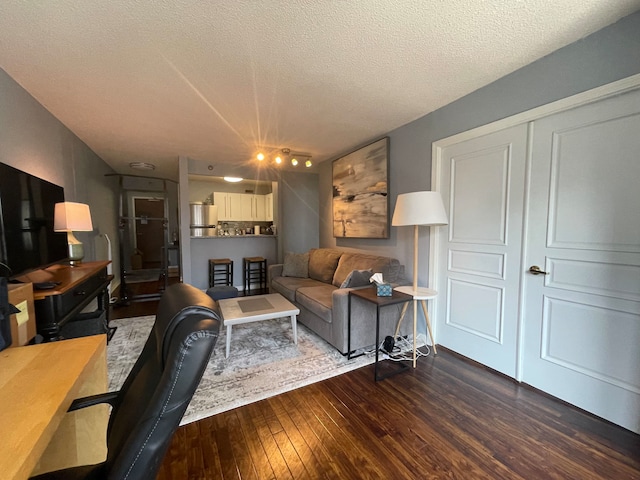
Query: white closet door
[582,319]
[482,183]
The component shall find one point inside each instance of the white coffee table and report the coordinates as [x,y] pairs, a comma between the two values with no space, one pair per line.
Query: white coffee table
[255,308]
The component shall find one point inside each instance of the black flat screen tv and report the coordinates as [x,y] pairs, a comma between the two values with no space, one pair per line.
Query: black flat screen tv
[27,239]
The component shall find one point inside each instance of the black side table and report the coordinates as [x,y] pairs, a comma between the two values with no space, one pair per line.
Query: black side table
[369,295]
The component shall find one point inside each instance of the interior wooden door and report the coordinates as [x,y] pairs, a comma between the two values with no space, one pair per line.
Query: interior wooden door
[582,318]
[150,230]
[482,184]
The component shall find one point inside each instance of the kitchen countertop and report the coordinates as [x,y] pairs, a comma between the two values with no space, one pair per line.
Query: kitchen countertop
[236,236]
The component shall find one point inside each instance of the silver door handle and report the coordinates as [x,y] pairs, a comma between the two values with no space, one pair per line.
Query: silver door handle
[536,270]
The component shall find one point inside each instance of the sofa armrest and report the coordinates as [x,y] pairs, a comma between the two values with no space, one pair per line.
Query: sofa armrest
[340,297]
[273,271]
[340,304]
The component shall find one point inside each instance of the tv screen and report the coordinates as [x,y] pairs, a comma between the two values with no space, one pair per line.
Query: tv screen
[27,239]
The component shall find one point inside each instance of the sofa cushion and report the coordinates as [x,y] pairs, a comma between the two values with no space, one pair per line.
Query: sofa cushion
[389,267]
[357,278]
[317,299]
[287,286]
[323,263]
[296,265]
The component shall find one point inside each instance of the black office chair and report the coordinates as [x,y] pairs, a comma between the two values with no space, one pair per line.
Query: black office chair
[148,408]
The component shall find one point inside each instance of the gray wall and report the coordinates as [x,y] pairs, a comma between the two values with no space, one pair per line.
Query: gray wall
[33,140]
[234,248]
[611,54]
[299,228]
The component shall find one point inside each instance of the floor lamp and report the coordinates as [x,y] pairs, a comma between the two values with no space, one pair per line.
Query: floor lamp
[418,208]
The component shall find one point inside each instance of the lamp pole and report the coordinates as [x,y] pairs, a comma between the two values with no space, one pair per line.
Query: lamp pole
[415,292]
[418,208]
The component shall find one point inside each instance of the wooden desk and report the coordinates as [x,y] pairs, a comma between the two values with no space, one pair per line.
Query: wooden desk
[77,287]
[37,385]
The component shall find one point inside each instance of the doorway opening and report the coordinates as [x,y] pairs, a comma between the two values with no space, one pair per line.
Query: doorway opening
[148,239]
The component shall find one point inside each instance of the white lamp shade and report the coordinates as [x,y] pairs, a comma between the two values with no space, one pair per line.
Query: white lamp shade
[419,208]
[72,217]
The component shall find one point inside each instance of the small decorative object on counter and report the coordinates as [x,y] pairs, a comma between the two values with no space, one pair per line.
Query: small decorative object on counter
[382,289]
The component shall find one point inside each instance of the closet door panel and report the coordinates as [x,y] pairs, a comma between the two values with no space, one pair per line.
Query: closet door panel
[582,319]
[483,184]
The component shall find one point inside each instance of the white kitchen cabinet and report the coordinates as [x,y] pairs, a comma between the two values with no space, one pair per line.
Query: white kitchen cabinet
[229,205]
[235,206]
[253,208]
[268,207]
[258,203]
[221,199]
[242,207]
[246,208]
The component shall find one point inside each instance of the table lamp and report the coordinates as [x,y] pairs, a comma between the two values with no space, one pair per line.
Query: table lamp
[418,208]
[73,217]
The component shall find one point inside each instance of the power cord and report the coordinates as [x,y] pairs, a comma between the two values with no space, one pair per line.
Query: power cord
[402,350]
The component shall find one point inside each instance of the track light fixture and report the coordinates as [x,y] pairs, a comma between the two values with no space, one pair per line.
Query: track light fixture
[279,156]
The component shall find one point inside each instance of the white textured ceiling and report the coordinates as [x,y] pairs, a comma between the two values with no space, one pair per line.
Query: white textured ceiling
[152,80]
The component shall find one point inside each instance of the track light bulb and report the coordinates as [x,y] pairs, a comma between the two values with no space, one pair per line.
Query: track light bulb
[308,163]
[278,160]
[260,156]
[294,162]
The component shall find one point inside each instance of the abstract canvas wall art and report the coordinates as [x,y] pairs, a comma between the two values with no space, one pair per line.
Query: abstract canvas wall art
[360,192]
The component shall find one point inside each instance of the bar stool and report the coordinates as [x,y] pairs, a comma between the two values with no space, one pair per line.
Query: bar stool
[255,271]
[220,272]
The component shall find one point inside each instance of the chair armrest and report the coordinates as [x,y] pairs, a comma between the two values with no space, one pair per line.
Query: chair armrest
[84,402]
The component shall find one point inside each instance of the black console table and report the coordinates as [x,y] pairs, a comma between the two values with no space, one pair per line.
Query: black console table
[76,287]
[369,295]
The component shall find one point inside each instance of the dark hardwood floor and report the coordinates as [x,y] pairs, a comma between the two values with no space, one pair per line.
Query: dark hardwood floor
[449,418]
[140,308]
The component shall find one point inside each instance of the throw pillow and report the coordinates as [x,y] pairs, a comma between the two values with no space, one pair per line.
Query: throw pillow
[323,263]
[357,278]
[296,265]
[349,261]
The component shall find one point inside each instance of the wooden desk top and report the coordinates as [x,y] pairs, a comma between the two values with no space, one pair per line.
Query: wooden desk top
[68,277]
[37,385]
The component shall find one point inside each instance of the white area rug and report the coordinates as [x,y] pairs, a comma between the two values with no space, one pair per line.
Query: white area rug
[263,362]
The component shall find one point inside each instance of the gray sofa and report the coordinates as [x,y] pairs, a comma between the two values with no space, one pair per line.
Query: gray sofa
[324,305]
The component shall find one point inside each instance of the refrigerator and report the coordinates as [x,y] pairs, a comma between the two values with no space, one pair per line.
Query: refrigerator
[204,218]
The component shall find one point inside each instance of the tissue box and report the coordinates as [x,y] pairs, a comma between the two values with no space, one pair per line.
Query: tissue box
[383,289]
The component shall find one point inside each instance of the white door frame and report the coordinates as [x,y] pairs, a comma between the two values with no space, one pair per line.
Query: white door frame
[437,148]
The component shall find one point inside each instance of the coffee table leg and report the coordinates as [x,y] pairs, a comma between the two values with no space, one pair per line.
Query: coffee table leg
[294,327]
[228,340]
